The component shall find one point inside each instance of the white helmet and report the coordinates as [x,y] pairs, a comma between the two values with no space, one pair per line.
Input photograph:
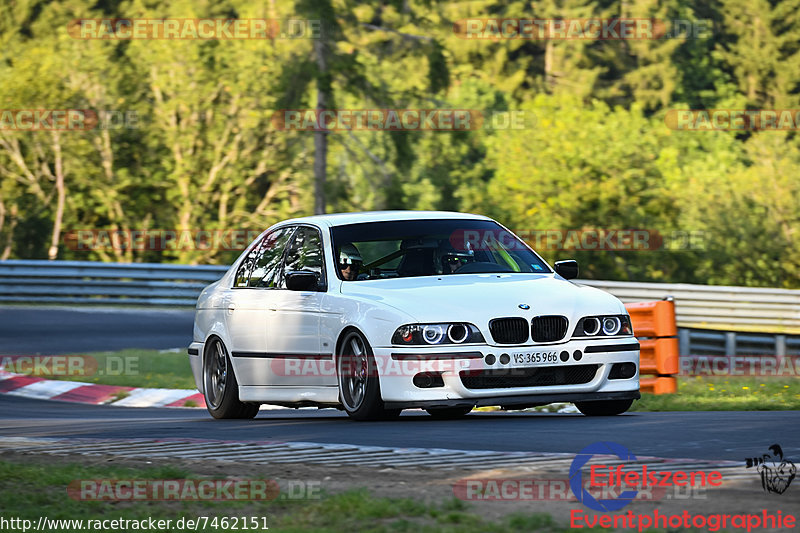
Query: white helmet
[349,255]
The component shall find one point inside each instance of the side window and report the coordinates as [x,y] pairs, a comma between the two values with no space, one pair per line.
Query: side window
[260,267]
[304,253]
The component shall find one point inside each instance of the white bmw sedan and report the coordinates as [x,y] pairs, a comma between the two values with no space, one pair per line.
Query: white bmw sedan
[378,312]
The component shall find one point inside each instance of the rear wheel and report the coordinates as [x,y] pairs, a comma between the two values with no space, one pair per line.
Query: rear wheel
[604,407]
[359,389]
[220,387]
[449,413]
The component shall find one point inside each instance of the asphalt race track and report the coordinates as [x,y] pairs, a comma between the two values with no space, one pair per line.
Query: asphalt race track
[65,330]
[697,435]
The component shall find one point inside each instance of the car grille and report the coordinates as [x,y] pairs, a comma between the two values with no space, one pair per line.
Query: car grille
[509,330]
[543,376]
[548,328]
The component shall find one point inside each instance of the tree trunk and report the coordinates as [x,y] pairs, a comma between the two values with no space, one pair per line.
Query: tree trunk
[12,222]
[52,253]
[321,136]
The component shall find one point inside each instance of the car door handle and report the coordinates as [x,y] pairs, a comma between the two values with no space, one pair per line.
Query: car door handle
[231,308]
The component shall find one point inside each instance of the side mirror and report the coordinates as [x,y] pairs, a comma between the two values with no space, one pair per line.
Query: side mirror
[302,280]
[567,269]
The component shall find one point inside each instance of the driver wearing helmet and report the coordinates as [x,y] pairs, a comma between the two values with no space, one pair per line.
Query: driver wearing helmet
[450,259]
[350,262]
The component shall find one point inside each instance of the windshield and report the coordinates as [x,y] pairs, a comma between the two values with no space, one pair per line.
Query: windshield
[399,249]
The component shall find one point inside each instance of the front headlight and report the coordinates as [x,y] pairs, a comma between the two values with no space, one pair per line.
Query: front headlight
[604,325]
[436,334]
[611,325]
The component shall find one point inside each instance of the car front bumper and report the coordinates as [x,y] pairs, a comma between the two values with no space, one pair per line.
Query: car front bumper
[398,368]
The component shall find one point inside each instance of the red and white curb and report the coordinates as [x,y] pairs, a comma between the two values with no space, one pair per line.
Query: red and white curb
[95,394]
[92,393]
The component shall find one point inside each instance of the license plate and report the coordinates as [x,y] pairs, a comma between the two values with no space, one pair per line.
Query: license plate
[522,358]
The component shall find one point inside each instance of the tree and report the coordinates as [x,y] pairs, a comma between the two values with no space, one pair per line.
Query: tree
[759,47]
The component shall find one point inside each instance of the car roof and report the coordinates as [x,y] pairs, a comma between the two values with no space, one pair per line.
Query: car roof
[340,219]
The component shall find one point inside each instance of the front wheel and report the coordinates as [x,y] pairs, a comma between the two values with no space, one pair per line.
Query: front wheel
[220,388]
[604,407]
[359,389]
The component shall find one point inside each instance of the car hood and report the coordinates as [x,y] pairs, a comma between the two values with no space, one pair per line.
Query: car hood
[477,298]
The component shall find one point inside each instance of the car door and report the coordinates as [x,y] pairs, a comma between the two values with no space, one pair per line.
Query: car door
[247,306]
[294,321]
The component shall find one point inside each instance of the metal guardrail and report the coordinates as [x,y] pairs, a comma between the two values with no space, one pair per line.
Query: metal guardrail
[731,343]
[717,307]
[87,282]
[700,309]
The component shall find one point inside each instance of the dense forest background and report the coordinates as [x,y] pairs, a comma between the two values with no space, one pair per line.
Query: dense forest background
[204,153]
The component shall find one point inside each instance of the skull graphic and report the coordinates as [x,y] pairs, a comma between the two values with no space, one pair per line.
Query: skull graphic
[776,472]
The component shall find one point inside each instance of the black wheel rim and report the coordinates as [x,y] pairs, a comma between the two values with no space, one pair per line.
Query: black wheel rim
[353,365]
[216,374]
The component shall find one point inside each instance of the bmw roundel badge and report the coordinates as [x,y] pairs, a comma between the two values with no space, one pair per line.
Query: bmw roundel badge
[524,306]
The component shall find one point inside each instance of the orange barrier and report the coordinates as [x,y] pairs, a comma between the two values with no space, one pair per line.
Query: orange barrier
[659,385]
[653,319]
[655,327]
[659,356]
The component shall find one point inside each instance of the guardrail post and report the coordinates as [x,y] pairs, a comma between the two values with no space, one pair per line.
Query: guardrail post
[684,342]
[780,348]
[730,343]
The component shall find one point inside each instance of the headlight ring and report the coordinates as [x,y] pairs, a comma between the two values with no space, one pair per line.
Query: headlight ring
[611,325]
[603,326]
[437,334]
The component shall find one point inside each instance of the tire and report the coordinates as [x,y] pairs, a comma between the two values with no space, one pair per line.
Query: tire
[220,388]
[357,374]
[449,413]
[604,407]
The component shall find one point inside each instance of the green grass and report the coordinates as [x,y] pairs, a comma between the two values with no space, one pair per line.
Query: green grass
[30,491]
[725,394]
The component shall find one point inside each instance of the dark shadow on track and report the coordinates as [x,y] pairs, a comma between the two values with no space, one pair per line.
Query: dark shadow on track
[701,435]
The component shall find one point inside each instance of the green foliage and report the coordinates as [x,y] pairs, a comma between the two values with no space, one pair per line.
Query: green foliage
[206,155]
